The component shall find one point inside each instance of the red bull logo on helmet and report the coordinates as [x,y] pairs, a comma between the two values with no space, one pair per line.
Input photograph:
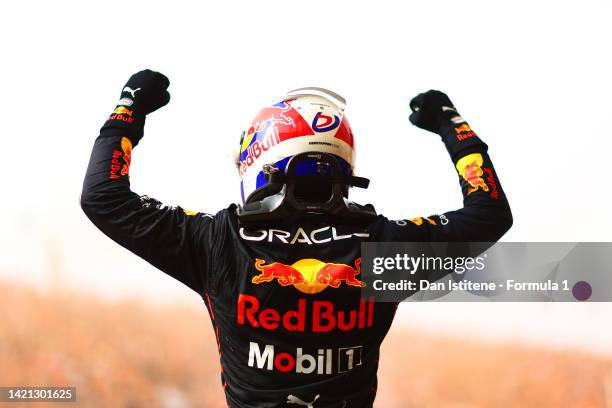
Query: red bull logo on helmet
[470,168]
[309,276]
[269,119]
[256,148]
[278,113]
[271,126]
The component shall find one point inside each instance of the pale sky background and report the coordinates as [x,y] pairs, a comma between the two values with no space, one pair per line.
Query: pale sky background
[532,78]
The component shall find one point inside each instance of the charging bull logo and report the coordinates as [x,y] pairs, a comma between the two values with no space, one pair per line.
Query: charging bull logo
[121,159]
[309,276]
[463,128]
[278,113]
[126,146]
[275,114]
[270,127]
[464,132]
[470,168]
[122,110]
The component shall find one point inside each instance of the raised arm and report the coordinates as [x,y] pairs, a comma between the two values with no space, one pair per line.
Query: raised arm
[486,215]
[167,237]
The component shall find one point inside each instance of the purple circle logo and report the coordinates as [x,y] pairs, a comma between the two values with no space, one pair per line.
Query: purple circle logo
[582,290]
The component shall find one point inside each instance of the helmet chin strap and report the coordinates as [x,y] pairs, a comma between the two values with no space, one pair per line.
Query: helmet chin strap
[287,202]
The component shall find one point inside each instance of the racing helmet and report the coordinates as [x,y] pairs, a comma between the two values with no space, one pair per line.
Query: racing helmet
[298,155]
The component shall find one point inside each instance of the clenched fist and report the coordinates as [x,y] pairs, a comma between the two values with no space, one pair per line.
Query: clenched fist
[145,92]
[433,111]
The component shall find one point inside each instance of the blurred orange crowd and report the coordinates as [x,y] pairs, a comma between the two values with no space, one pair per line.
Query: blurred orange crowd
[131,354]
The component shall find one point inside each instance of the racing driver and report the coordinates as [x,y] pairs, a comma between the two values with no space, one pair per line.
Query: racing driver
[280,272]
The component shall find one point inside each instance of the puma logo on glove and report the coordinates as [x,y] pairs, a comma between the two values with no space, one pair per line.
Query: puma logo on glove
[131,91]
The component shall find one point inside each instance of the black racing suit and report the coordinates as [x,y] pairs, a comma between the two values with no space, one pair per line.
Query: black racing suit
[283,341]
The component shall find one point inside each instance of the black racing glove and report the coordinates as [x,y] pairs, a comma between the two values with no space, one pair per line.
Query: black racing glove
[145,92]
[434,111]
